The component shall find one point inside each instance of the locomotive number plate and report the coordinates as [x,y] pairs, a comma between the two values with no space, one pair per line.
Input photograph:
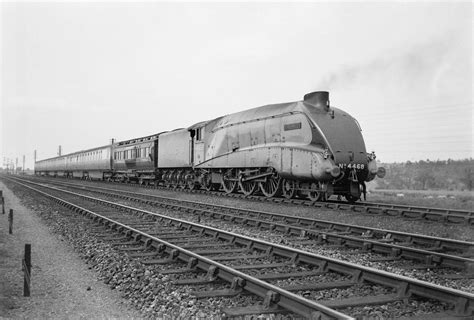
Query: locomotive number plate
[357,166]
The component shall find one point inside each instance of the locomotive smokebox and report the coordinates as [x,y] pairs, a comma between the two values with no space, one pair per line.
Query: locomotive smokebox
[318,99]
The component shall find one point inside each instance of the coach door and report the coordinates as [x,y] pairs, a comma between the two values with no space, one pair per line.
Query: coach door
[199,146]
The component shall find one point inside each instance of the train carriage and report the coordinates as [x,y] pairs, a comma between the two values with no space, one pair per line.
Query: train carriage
[135,160]
[86,164]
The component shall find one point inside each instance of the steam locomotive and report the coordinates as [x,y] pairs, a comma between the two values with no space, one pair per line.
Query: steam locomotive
[299,149]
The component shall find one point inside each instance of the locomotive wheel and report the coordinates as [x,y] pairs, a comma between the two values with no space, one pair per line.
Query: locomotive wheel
[248,187]
[229,186]
[214,187]
[207,183]
[166,179]
[190,181]
[350,198]
[181,179]
[272,186]
[174,179]
[315,193]
[288,188]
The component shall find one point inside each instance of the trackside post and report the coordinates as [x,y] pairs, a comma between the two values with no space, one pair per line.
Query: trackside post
[10,222]
[3,201]
[27,270]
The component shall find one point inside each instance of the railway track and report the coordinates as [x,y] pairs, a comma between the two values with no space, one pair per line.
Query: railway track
[405,211]
[242,269]
[431,252]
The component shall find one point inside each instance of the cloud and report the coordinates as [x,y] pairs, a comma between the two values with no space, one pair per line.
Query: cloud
[436,67]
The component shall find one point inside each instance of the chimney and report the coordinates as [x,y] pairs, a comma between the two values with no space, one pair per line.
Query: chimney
[319,99]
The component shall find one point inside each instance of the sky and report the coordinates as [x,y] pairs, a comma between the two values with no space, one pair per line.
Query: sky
[80,74]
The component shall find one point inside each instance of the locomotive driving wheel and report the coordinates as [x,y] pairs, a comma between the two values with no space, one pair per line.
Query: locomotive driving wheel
[248,187]
[316,192]
[288,188]
[271,187]
[229,181]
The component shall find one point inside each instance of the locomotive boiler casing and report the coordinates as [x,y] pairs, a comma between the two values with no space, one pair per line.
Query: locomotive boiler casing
[305,140]
[277,136]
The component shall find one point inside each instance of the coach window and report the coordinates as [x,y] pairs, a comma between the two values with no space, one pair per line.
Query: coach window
[199,134]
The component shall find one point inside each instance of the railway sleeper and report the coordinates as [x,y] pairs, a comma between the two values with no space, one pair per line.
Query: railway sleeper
[159,261]
[143,254]
[117,238]
[220,251]
[230,258]
[253,310]
[129,249]
[262,266]
[436,316]
[278,276]
[320,286]
[128,243]
[362,301]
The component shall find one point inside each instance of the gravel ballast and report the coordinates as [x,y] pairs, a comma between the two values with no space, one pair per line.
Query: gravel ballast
[63,287]
[143,286]
[152,294]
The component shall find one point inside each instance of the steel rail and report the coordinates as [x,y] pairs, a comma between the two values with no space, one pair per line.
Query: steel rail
[406,287]
[407,211]
[287,300]
[324,231]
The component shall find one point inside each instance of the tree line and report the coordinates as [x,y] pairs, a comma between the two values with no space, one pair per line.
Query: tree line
[429,175]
